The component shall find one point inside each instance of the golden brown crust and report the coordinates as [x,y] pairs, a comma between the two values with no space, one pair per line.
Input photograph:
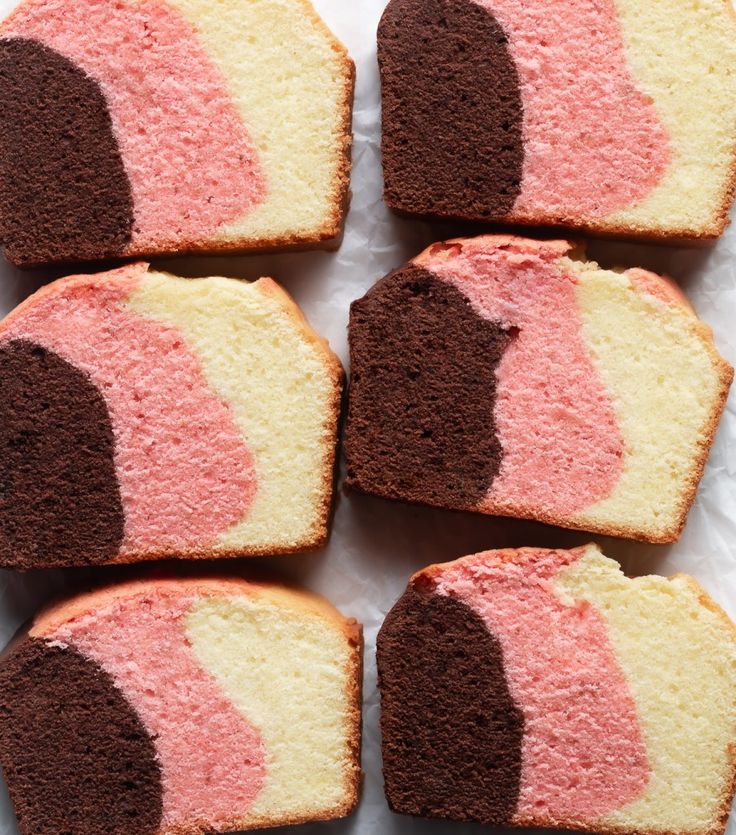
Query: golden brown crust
[353,774]
[319,532]
[675,236]
[53,287]
[518,556]
[331,233]
[56,614]
[613,829]
[726,800]
[723,369]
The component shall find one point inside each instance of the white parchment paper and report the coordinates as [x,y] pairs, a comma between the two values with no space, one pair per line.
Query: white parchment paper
[375,545]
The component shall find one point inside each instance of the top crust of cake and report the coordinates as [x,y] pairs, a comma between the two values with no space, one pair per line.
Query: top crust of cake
[63,611]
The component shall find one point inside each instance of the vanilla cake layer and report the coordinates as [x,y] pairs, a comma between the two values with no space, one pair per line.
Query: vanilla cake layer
[610,116]
[508,376]
[182,707]
[545,689]
[146,416]
[148,126]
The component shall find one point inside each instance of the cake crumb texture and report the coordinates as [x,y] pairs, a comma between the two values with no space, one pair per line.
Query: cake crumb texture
[609,116]
[208,675]
[215,413]
[610,701]
[223,127]
[595,405]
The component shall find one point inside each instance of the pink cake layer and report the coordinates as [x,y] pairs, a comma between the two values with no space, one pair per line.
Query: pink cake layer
[556,654]
[593,141]
[660,287]
[212,759]
[184,470]
[188,155]
[562,447]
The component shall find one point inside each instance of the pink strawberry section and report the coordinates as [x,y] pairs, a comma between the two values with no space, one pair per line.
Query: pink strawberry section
[184,471]
[661,288]
[212,760]
[593,141]
[562,447]
[579,714]
[190,160]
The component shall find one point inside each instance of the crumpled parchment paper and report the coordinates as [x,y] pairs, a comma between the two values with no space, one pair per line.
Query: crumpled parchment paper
[375,546]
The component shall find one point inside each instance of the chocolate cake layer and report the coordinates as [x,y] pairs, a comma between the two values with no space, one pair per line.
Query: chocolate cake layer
[59,497]
[422,392]
[452,110]
[452,735]
[64,192]
[75,756]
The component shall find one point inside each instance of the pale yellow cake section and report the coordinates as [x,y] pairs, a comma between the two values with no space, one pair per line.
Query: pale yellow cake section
[292,671]
[292,83]
[667,383]
[283,386]
[678,653]
[683,55]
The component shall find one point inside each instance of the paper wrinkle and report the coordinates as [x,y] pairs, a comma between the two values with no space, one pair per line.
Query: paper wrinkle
[376,545]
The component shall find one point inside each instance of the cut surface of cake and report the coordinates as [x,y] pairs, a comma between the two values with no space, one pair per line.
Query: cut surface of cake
[145,416]
[142,127]
[507,376]
[181,707]
[612,116]
[545,689]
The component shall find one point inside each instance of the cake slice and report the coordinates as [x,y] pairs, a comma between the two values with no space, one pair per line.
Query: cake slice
[181,707]
[612,116]
[144,127]
[543,688]
[508,376]
[145,416]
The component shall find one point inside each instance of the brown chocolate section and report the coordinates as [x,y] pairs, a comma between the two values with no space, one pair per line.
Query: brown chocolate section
[59,496]
[451,733]
[422,392]
[64,192]
[452,111]
[76,757]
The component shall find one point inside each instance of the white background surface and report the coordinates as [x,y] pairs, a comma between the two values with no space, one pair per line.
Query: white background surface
[375,545]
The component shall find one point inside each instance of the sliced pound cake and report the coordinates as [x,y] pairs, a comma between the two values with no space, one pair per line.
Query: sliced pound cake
[145,416]
[505,376]
[612,116]
[181,707]
[141,127]
[545,689]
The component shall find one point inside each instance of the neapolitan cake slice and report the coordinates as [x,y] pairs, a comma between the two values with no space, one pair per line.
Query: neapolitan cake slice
[506,376]
[141,127]
[612,116]
[545,689]
[145,416]
[179,707]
